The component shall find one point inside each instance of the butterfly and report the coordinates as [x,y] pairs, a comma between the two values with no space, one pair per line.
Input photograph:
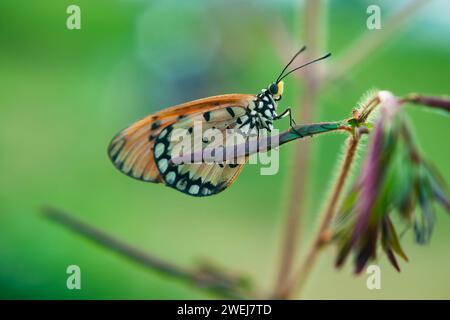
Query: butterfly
[143,150]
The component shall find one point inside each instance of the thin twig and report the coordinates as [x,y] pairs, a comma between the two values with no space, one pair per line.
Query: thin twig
[252,145]
[219,284]
[372,40]
[313,27]
[297,282]
[440,103]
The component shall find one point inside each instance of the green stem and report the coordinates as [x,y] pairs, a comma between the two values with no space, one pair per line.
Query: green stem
[262,144]
[309,130]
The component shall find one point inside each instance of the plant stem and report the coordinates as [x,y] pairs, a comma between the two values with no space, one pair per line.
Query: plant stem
[298,280]
[432,102]
[260,144]
[212,282]
[313,25]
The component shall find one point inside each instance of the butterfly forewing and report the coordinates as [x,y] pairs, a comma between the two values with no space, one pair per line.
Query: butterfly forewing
[143,150]
[131,151]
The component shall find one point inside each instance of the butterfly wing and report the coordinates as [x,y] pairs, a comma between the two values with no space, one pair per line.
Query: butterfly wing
[139,150]
[198,178]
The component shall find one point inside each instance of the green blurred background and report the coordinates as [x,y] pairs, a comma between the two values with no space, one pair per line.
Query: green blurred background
[65,93]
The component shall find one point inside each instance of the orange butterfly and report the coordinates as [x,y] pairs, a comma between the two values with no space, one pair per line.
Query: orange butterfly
[143,150]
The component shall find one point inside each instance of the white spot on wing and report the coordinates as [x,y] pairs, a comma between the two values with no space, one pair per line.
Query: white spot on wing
[205,191]
[162,165]
[170,177]
[194,189]
[159,149]
[163,134]
[181,185]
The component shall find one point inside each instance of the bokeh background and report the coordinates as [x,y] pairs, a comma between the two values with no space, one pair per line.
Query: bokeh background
[65,93]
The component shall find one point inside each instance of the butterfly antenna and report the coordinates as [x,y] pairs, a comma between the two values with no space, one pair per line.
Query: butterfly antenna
[304,65]
[289,63]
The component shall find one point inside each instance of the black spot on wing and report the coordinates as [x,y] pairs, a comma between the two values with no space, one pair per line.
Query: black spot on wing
[156,125]
[207,115]
[230,111]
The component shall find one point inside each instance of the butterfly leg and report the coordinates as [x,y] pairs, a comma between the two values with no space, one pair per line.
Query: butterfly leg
[292,123]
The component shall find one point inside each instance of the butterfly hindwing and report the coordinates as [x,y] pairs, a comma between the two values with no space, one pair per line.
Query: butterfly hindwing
[198,179]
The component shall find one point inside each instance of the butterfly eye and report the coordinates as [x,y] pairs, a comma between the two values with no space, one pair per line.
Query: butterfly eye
[273,88]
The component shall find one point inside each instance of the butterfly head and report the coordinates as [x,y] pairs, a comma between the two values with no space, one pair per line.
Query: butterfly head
[275,89]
